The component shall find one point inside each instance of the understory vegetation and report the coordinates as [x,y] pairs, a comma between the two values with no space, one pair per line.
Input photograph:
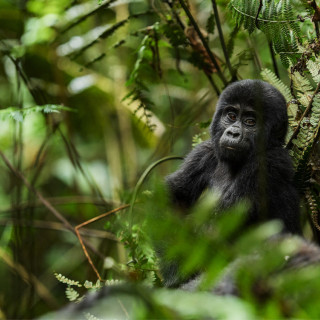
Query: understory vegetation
[99,101]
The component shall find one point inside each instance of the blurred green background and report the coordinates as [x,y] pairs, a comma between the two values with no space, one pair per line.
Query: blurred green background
[91,94]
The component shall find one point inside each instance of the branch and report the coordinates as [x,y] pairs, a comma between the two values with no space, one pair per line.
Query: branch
[88,222]
[258,12]
[204,42]
[316,16]
[223,45]
[57,226]
[274,62]
[170,4]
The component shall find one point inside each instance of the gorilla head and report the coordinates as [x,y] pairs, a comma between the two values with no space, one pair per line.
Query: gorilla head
[245,110]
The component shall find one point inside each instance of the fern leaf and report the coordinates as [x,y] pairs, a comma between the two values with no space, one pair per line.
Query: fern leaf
[90,316]
[315,111]
[305,88]
[269,76]
[276,20]
[292,110]
[198,138]
[19,114]
[113,282]
[66,280]
[314,68]
[72,294]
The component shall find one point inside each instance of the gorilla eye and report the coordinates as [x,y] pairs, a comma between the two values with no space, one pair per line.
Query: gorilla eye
[250,122]
[232,116]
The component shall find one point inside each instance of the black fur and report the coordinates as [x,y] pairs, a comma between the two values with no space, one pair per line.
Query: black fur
[232,162]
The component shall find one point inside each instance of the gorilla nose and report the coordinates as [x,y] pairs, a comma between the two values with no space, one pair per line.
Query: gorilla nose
[231,133]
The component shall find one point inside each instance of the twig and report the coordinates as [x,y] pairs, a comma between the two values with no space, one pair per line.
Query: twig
[204,42]
[88,222]
[223,45]
[214,86]
[170,4]
[182,26]
[57,226]
[316,16]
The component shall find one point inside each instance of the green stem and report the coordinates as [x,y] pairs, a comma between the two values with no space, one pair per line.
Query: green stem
[140,182]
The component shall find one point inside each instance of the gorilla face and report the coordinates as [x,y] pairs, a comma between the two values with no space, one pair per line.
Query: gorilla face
[242,105]
[239,127]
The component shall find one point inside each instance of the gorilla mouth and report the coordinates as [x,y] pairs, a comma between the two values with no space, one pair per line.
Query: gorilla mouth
[230,147]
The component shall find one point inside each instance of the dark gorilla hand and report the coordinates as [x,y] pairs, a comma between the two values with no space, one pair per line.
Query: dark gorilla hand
[247,137]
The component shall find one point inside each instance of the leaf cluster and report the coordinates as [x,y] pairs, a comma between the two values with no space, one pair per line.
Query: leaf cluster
[303,103]
[19,114]
[276,19]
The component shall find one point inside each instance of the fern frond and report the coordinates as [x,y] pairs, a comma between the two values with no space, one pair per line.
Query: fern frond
[90,316]
[66,280]
[292,107]
[300,158]
[268,76]
[113,282]
[276,20]
[72,294]
[309,126]
[314,69]
[19,114]
[315,111]
[304,142]
[305,91]
[313,208]
[198,138]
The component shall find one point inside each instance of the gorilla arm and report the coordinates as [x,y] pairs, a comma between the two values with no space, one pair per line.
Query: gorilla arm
[187,184]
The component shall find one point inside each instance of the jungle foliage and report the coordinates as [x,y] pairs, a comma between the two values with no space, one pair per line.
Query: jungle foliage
[98,102]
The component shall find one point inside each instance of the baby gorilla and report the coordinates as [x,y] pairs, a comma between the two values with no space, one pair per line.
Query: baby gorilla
[243,159]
